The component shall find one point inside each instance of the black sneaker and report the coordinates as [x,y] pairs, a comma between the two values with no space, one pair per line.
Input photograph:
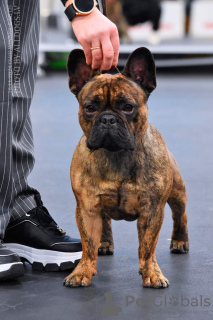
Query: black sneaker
[37,239]
[10,264]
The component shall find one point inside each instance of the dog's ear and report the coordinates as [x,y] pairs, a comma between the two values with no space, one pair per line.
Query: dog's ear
[79,72]
[140,67]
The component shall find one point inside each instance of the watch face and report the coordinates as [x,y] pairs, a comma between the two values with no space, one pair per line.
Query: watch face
[83,5]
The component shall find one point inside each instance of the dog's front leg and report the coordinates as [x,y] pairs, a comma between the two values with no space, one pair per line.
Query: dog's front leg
[90,227]
[148,232]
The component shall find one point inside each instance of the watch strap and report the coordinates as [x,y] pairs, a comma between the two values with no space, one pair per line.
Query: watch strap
[70,12]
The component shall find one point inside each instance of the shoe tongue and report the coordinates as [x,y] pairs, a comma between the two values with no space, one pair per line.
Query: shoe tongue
[44,216]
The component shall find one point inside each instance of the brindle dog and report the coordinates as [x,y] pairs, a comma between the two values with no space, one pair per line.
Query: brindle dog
[121,168]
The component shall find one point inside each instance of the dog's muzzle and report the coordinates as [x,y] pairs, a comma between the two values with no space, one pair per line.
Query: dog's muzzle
[110,132]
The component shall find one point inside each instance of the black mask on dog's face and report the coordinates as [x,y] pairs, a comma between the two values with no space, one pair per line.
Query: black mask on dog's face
[113,112]
[110,131]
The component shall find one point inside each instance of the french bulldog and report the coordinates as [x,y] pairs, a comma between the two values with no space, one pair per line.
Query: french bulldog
[121,168]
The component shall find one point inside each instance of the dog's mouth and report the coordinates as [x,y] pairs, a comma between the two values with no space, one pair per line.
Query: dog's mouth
[109,144]
[111,140]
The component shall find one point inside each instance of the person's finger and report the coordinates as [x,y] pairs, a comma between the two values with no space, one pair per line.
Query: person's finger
[108,54]
[115,45]
[88,53]
[96,55]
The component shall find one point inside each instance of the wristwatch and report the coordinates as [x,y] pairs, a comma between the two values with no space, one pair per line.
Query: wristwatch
[79,8]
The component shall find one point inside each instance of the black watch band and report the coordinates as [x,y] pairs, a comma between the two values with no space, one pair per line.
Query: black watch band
[70,12]
[79,7]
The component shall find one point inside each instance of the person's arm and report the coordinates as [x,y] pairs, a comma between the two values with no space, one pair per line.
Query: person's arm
[95,30]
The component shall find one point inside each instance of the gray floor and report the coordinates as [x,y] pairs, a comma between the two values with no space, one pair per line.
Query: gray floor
[181,108]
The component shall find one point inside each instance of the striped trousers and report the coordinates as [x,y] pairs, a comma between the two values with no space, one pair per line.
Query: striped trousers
[19,38]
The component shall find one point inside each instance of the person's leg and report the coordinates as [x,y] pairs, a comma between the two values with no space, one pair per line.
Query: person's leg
[32,232]
[155,14]
[136,12]
[6,181]
[25,19]
[154,17]
[10,264]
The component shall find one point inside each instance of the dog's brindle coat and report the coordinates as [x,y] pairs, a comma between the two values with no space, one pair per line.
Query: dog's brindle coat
[121,168]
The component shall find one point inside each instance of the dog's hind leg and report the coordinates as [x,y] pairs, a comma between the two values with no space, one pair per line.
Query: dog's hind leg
[177,202]
[106,246]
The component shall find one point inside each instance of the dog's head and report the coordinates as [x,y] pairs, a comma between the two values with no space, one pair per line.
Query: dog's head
[113,111]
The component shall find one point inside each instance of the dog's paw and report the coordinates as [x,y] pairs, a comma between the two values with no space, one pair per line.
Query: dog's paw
[81,276]
[105,249]
[155,281]
[179,246]
[77,279]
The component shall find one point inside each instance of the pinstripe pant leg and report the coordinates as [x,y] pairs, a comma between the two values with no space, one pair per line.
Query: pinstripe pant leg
[6,181]
[26,23]
[16,153]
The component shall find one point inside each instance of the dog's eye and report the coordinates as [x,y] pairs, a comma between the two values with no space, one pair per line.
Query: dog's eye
[90,109]
[128,108]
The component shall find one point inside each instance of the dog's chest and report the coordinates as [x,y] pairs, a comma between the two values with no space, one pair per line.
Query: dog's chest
[124,202]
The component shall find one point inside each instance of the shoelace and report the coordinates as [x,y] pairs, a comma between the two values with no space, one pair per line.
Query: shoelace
[44,218]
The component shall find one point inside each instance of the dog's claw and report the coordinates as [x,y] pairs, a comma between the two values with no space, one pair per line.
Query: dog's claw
[67,283]
[179,246]
[105,249]
[152,282]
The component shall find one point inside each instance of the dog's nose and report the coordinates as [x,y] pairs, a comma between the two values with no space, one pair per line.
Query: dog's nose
[108,119]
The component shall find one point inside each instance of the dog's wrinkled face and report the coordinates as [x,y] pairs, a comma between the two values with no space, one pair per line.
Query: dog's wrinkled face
[113,111]
[108,108]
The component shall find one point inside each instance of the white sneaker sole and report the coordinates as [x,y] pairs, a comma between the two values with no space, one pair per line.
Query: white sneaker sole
[11,270]
[47,260]
[7,266]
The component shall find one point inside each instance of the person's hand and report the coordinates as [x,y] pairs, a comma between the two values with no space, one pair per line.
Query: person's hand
[95,30]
